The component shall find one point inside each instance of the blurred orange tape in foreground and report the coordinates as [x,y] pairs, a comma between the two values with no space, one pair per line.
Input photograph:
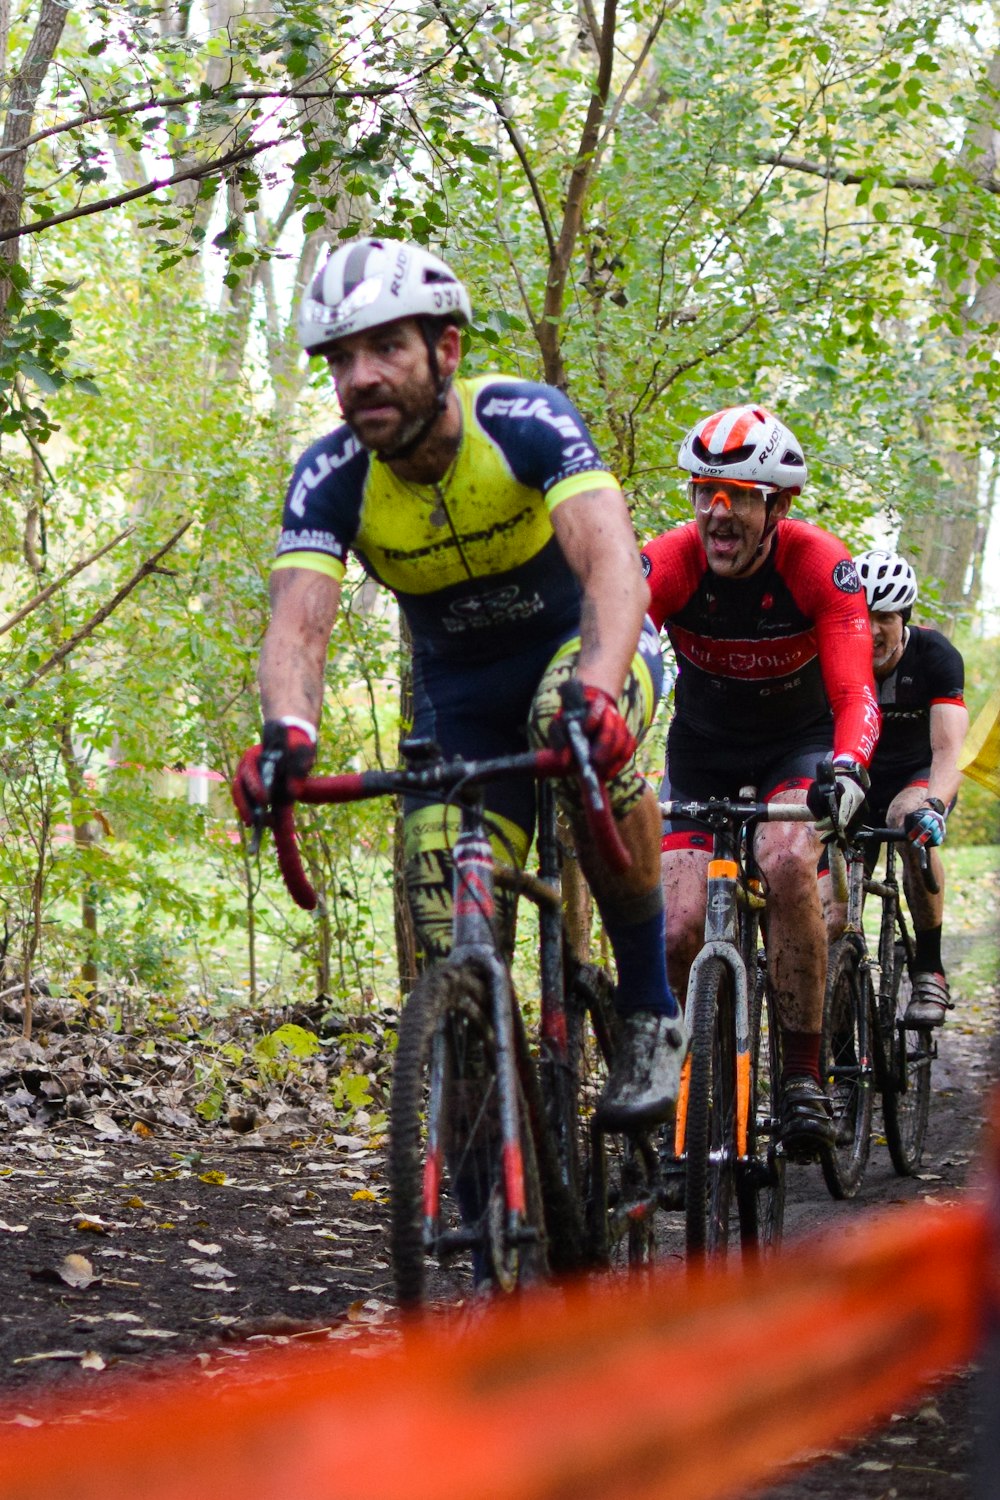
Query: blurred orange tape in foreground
[684,1386]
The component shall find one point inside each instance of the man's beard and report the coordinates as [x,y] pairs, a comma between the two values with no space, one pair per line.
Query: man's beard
[414,426]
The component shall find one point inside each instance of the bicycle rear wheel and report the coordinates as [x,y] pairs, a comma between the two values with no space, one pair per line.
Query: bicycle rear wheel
[449,1191]
[710,1199]
[760,1181]
[615,1174]
[906,1092]
[846,1067]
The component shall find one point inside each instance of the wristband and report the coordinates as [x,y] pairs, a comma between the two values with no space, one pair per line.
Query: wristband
[291,722]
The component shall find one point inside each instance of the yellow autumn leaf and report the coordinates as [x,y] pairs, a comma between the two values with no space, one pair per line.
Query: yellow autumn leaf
[363,1196]
[140,1128]
[214,1179]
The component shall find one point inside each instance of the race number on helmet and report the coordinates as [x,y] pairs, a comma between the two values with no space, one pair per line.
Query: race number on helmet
[889,582]
[368,282]
[744,443]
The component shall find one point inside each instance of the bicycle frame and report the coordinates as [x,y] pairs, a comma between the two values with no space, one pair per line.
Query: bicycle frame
[726,890]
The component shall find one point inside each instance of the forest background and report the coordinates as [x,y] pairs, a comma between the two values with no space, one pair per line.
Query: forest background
[662,207]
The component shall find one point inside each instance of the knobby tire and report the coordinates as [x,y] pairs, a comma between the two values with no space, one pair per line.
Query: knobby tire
[847,1069]
[614,1173]
[906,1091]
[760,1181]
[446,1043]
[710,1131]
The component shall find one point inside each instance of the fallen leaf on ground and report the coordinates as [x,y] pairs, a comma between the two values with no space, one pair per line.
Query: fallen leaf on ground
[76,1270]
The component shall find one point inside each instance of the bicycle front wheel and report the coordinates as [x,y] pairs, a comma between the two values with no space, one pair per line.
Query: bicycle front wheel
[615,1174]
[449,1190]
[846,1067]
[710,1200]
[760,1179]
[906,1093]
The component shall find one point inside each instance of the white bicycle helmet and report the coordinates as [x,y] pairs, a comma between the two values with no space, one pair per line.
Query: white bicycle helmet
[889,582]
[744,443]
[368,282]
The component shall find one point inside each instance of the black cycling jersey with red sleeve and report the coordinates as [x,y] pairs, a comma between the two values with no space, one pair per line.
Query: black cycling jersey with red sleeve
[929,671]
[768,655]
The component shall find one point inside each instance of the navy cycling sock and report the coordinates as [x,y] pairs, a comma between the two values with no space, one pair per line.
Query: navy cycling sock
[927,951]
[640,950]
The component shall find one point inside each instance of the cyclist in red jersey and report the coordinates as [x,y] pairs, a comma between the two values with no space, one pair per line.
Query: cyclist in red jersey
[769,629]
[920,678]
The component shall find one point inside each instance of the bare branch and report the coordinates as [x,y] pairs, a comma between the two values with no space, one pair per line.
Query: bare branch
[50,589]
[105,610]
[904,182]
[190,174]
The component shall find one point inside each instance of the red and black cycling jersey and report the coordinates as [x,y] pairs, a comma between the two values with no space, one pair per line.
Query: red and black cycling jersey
[765,656]
[929,671]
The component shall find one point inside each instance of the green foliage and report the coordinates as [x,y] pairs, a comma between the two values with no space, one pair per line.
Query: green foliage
[783,204]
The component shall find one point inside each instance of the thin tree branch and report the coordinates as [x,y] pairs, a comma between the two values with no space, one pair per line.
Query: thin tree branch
[903,182]
[105,610]
[190,174]
[49,590]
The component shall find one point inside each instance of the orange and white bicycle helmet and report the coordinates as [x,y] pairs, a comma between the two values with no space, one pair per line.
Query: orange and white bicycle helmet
[744,444]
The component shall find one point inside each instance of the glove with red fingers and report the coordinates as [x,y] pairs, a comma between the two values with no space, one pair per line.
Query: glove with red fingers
[272,772]
[926,825]
[612,743]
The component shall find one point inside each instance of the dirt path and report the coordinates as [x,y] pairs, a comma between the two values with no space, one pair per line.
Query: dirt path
[123,1252]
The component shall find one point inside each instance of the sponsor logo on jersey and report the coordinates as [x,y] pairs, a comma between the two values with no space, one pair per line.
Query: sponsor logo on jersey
[537,409]
[323,464]
[310,541]
[647,566]
[845,577]
[752,659]
[495,607]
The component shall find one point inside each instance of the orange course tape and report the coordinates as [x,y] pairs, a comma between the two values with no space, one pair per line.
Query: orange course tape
[685,1386]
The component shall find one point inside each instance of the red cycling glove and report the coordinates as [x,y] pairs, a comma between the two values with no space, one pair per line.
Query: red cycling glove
[290,755]
[612,743]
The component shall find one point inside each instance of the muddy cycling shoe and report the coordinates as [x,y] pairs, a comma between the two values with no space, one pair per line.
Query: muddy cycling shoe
[930,1001]
[806,1127]
[644,1078]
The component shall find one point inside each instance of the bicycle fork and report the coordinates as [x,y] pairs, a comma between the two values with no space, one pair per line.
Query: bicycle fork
[473,938]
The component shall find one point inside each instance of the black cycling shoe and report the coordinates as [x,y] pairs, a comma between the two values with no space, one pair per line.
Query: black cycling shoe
[806,1127]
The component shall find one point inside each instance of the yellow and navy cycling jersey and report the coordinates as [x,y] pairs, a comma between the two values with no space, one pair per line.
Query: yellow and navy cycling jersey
[473,560]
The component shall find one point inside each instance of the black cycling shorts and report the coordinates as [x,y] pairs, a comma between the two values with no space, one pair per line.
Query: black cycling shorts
[699,767]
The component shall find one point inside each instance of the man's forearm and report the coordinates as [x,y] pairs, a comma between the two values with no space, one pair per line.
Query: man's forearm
[293,656]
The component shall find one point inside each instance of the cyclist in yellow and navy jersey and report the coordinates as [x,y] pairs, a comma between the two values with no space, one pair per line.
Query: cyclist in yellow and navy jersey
[484,507]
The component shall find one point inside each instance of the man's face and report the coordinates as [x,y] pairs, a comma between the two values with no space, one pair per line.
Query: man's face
[384,384]
[731,519]
[887,636]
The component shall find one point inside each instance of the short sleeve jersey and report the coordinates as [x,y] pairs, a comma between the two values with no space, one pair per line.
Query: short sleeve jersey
[473,560]
[929,671]
[767,655]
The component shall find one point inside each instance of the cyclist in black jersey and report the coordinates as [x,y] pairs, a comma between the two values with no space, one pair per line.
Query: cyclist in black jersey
[483,505]
[920,679]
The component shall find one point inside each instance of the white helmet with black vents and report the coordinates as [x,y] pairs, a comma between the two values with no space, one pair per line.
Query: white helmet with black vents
[889,582]
[368,282]
[745,445]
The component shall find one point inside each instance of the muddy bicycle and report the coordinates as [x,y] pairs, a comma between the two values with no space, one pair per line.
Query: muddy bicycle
[867,1047]
[727,1166]
[495,1153]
